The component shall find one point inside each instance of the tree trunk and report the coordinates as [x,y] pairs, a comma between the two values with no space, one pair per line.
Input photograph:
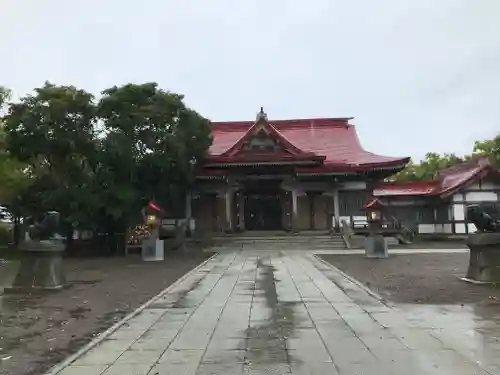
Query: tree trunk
[16,233]
[114,236]
[69,239]
[110,238]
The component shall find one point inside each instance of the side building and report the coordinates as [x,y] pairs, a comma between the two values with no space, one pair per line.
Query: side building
[291,175]
[438,206]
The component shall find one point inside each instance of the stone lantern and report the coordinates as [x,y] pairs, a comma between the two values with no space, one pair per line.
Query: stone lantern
[375,243]
[152,247]
[42,262]
[484,245]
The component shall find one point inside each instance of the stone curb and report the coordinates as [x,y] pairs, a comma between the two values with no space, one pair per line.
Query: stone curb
[359,284]
[394,251]
[72,358]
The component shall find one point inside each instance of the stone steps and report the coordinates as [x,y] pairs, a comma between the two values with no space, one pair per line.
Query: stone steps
[278,242]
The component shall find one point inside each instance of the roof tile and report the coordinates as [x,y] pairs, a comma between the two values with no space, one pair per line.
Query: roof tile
[333,138]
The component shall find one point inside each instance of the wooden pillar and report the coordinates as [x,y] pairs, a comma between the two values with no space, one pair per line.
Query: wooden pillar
[312,210]
[295,221]
[336,208]
[188,212]
[241,211]
[228,195]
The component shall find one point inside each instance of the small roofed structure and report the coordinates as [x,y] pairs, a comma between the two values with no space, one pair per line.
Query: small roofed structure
[439,206]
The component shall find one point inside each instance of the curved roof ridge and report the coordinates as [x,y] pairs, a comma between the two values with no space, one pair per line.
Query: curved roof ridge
[288,124]
[475,162]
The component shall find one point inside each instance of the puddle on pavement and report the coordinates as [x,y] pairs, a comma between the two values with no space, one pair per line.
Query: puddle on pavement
[352,290]
[183,301]
[266,342]
[473,329]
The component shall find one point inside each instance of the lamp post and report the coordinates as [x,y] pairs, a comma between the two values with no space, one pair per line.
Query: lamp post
[375,243]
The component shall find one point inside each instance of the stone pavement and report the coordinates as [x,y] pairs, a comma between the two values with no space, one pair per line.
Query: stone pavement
[283,313]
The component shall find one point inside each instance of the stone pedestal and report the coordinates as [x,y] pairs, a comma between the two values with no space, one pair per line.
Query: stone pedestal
[41,266]
[152,248]
[376,246]
[484,260]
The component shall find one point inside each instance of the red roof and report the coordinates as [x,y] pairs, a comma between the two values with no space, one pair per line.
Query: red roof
[374,204]
[333,140]
[445,183]
[406,188]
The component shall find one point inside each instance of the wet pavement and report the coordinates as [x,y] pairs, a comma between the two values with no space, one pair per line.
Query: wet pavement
[290,313]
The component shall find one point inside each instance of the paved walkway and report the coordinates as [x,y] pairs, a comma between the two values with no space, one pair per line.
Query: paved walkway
[263,313]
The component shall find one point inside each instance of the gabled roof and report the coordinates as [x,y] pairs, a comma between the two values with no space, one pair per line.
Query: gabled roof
[373,204]
[288,151]
[332,139]
[263,125]
[445,183]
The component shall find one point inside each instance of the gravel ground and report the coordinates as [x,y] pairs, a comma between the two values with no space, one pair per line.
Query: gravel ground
[417,278]
[39,330]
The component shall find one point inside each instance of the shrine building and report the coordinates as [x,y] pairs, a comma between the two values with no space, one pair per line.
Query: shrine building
[291,175]
[439,205]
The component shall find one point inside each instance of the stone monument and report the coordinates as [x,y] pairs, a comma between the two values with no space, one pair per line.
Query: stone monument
[484,245]
[41,263]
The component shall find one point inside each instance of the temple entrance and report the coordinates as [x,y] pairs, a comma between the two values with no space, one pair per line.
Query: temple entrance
[263,211]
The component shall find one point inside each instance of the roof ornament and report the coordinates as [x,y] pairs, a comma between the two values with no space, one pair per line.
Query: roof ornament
[261,115]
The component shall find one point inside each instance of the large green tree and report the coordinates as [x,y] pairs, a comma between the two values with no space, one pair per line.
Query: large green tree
[99,164]
[52,133]
[151,145]
[489,148]
[14,175]
[4,95]
[427,168]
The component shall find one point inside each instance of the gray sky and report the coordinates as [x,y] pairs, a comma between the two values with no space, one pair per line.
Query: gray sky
[417,76]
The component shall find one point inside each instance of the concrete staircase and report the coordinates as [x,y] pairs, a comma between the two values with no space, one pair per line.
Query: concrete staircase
[315,241]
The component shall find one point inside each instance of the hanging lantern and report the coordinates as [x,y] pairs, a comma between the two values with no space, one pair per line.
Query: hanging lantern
[151,219]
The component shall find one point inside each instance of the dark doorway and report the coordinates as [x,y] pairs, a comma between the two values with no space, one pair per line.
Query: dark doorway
[263,211]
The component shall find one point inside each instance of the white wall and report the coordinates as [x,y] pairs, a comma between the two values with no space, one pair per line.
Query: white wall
[362,220]
[458,211]
[434,228]
[476,196]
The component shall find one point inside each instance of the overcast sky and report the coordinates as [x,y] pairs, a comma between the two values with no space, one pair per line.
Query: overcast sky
[417,75]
